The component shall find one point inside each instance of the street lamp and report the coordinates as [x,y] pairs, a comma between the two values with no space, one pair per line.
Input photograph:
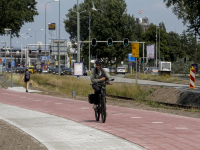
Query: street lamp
[21,45]
[7,29]
[46,25]
[35,33]
[26,54]
[5,57]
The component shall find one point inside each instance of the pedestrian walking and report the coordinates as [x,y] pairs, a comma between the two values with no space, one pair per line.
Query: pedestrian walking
[26,78]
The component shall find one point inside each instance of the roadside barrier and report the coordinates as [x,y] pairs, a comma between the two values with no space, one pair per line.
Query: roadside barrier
[192,78]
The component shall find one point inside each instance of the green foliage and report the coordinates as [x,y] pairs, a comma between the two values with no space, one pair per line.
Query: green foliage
[112,21]
[15,13]
[188,10]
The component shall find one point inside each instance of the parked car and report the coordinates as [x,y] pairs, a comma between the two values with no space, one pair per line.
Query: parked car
[56,71]
[145,70]
[84,72]
[32,69]
[121,70]
[112,70]
[18,69]
[153,70]
[67,71]
[22,69]
[50,69]
[106,68]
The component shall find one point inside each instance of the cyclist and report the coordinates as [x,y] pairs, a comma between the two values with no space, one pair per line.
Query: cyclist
[98,75]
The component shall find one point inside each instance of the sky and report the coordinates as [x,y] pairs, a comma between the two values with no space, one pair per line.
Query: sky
[155,10]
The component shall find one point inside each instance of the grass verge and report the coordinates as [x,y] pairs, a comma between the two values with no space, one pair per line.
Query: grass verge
[82,87]
[168,79]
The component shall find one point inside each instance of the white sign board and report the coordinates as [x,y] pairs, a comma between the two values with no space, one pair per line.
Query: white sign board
[78,68]
[150,51]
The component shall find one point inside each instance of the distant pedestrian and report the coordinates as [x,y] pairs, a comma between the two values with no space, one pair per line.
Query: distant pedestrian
[26,79]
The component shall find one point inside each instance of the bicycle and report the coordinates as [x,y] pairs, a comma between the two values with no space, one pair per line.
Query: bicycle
[101,106]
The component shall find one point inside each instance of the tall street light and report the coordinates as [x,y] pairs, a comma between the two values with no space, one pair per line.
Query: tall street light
[26,53]
[21,46]
[7,29]
[35,33]
[5,57]
[46,24]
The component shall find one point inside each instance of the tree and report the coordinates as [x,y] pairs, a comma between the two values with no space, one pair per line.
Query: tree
[15,13]
[112,22]
[150,38]
[174,44]
[188,10]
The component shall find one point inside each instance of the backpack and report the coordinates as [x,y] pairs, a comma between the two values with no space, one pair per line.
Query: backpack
[27,76]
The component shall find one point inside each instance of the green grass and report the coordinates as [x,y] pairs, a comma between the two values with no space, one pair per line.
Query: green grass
[168,79]
[82,87]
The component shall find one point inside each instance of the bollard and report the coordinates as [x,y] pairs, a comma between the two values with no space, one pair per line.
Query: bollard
[30,85]
[73,94]
[192,78]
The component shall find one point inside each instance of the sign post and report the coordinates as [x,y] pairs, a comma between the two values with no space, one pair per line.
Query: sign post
[131,59]
[192,78]
[135,53]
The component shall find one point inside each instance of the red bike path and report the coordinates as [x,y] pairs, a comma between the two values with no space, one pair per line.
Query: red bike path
[151,130]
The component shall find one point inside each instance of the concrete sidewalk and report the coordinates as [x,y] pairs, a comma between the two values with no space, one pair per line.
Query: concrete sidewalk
[57,133]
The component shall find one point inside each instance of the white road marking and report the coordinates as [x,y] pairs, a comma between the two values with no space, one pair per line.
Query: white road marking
[135,117]
[58,103]
[85,108]
[181,128]
[117,113]
[157,122]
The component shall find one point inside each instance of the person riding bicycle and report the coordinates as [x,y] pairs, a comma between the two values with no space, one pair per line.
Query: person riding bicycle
[98,75]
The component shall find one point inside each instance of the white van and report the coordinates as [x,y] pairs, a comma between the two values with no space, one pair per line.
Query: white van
[121,70]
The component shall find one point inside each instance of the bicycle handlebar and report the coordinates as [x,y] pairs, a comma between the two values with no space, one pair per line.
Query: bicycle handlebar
[101,83]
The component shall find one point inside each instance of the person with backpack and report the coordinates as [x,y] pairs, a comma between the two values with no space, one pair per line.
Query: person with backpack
[26,78]
[99,75]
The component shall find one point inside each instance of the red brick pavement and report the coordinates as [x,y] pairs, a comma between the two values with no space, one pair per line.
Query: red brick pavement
[152,130]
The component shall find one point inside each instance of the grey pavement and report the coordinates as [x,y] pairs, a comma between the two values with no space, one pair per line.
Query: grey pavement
[57,133]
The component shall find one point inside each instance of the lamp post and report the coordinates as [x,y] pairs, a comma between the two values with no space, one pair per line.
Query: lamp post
[46,25]
[5,58]
[21,45]
[35,33]
[6,29]
[26,54]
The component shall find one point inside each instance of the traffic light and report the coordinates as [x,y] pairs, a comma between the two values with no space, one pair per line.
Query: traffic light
[185,61]
[94,42]
[29,51]
[142,60]
[110,42]
[50,51]
[40,51]
[126,42]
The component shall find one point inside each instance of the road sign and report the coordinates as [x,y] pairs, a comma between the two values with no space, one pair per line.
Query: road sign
[43,57]
[135,49]
[195,66]
[131,58]
[13,63]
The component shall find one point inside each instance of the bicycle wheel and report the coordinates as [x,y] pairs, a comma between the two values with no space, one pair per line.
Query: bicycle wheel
[103,111]
[97,112]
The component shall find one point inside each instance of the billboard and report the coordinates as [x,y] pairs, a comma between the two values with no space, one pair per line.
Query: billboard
[78,68]
[150,51]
